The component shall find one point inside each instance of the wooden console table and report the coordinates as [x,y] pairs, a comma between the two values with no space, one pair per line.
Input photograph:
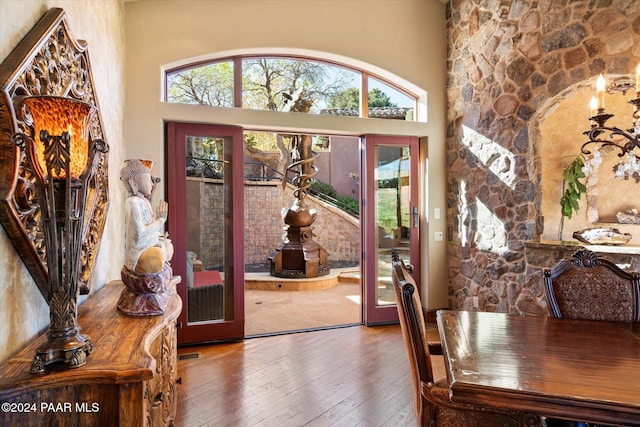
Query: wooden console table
[128,380]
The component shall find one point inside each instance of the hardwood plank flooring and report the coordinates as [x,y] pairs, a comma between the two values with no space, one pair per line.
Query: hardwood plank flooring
[352,376]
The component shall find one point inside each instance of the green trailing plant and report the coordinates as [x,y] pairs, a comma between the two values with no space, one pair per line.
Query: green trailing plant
[573,187]
[351,203]
[572,190]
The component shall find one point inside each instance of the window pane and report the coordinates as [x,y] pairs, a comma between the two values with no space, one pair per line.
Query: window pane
[286,84]
[210,84]
[387,102]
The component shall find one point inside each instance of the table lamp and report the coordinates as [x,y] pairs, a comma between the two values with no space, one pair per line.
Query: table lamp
[63,158]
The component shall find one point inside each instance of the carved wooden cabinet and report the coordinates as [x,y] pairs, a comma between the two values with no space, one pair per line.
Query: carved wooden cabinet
[129,378]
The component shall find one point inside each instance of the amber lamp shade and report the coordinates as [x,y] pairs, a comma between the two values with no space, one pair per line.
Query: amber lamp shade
[54,115]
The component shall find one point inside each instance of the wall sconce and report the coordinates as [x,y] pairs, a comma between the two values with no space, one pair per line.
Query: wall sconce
[625,140]
[64,160]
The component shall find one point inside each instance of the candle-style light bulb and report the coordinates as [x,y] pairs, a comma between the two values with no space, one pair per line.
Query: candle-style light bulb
[600,85]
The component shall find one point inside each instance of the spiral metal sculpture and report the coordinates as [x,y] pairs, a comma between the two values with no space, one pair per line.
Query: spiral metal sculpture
[302,158]
[299,256]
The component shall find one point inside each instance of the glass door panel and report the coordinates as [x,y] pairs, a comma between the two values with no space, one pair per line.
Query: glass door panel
[205,208]
[207,235]
[392,219]
[392,207]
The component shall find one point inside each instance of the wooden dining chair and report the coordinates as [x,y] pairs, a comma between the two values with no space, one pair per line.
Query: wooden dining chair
[589,287]
[433,405]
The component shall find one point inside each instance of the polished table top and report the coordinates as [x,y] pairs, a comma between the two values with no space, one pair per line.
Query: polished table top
[576,369]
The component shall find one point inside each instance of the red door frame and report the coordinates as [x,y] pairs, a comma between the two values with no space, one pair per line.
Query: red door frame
[176,134]
[374,314]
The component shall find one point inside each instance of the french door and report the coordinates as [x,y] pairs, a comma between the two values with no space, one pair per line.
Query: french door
[205,224]
[391,219]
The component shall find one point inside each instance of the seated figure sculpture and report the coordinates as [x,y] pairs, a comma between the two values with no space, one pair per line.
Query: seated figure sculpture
[147,273]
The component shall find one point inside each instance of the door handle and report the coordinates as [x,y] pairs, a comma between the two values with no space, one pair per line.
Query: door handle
[416,218]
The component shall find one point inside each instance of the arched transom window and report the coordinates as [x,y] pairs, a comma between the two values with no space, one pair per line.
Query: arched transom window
[287,83]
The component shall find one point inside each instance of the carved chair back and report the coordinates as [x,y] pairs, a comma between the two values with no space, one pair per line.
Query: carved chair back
[588,287]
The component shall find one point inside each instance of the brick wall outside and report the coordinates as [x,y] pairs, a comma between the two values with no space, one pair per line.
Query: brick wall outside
[336,231]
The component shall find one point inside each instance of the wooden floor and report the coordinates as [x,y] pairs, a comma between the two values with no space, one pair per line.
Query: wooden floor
[353,376]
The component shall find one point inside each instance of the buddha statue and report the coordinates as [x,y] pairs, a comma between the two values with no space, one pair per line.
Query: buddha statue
[146,273]
[146,249]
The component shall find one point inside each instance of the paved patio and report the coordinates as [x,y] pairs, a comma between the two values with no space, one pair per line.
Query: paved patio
[279,310]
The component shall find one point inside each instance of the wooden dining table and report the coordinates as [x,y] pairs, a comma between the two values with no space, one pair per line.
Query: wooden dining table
[571,369]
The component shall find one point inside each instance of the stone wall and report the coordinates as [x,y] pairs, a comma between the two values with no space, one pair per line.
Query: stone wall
[507,62]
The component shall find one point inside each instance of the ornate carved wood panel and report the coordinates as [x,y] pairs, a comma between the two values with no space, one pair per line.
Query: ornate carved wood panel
[48,61]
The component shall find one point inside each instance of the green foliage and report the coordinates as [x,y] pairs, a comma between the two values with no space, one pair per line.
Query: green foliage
[351,203]
[377,98]
[573,187]
[324,188]
[387,209]
[350,98]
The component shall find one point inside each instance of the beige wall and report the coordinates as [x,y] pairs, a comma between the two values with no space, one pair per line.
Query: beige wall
[23,311]
[406,38]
